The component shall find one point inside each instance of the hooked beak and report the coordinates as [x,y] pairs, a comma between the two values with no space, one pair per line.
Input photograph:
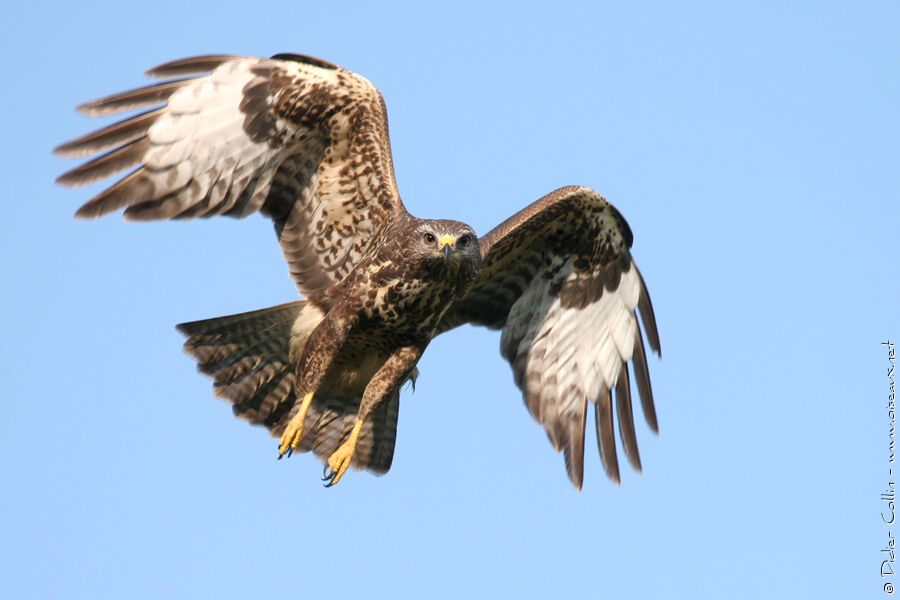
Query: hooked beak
[446,246]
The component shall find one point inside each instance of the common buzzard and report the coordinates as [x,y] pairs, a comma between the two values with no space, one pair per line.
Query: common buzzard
[305,143]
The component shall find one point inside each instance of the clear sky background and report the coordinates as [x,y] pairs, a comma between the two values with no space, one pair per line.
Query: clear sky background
[752,149]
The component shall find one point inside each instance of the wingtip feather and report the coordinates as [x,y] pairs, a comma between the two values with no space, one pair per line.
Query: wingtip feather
[87,213]
[192,65]
[66,150]
[648,318]
[645,389]
[626,418]
[606,441]
[573,449]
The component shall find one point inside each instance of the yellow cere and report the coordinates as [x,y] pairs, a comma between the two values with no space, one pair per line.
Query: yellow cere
[446,240]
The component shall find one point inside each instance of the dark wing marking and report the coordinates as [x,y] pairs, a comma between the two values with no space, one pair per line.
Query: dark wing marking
[559,280]
[298,139]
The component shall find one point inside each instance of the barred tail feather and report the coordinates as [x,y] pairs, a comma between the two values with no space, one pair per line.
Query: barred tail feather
[250,359]
[330,419]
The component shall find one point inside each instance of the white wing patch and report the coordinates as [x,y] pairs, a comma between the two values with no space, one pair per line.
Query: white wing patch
[300,140]
[200,140]
[562,357]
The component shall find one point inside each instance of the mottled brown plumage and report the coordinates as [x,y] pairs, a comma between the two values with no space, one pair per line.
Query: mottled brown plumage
[305,143]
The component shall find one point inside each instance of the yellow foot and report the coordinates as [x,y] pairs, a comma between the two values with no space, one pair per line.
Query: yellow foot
[290,439]
[340,460]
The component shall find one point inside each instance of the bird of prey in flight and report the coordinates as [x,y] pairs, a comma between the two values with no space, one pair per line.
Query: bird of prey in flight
[305,143]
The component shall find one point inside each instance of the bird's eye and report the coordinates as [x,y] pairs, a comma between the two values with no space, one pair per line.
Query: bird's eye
[429,238]
[464,241]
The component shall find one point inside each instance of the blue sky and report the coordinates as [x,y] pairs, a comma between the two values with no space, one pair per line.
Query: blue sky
[754,152]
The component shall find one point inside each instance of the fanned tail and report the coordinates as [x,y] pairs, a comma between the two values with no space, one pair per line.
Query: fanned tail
[250,360]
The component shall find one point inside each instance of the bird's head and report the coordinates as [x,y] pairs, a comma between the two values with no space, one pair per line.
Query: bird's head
[450,244]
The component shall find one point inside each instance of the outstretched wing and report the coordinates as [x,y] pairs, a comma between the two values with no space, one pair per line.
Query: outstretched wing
[559,280]
[301,140]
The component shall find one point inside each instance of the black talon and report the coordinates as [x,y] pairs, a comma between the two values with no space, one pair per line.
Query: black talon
[328,475]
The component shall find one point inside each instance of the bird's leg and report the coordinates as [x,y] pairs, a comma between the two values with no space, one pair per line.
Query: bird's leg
[387,380]
[316,357]
[293,431]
